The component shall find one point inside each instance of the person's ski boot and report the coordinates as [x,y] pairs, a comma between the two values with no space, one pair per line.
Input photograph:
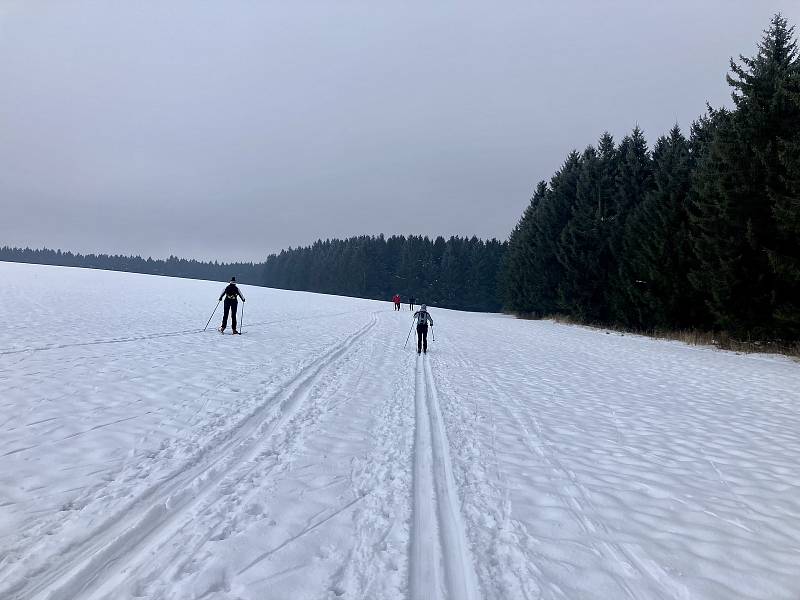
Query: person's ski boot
[419,351]
[235,332]
[425,351]
[221,330]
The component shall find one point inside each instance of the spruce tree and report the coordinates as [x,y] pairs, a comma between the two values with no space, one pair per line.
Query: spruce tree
[517,282]
[584,249]
[657,246]
[785,254]
[545,271]
[784,188]
[736,185]
[634,179]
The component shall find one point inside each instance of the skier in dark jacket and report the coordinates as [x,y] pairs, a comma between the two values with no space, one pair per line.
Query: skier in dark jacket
[231,294]
[411,302]
[423,318]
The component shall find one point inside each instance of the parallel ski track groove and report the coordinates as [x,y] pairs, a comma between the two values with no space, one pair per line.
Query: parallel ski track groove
[438,537]
[82,566]
[184,553]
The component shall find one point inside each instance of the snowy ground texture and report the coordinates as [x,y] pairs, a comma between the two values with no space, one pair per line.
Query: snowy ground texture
[314,457]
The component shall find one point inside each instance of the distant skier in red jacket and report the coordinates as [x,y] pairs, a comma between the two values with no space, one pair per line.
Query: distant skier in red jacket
[396,300]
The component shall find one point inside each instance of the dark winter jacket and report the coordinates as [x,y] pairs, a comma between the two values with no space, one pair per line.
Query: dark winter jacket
[231,292]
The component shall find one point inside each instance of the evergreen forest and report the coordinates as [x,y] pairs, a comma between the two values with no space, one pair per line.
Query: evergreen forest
[459,273]
[701,232]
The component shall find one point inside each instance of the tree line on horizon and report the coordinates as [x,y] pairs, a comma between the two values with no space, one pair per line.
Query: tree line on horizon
[459,273]
[701,233]
[246,272]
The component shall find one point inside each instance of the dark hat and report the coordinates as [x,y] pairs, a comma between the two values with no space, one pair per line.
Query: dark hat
[233,279]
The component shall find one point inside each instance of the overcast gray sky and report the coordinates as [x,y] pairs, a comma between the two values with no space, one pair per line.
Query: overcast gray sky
[229,129]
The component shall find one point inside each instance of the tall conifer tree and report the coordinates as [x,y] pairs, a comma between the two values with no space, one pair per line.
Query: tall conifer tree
[584,244]
[735,217]
[657,245]
[517,275]
[634,180]
[784,186]
[549,221]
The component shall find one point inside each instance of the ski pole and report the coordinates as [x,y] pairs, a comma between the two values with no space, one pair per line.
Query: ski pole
[241,321]
[409,335]
[433,334]
[212,315]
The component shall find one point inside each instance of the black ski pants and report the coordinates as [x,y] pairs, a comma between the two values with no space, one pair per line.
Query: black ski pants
[422,337]
[231,306]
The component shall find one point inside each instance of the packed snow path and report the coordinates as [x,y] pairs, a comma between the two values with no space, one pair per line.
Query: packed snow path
[315,457]
[434,484]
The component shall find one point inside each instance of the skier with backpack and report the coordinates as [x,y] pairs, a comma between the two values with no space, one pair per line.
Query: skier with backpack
[396,300]
[231,294]
[422,318]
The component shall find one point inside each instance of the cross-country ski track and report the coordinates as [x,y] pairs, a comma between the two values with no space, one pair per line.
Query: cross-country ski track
[146,524]
[441,565]
[316,457]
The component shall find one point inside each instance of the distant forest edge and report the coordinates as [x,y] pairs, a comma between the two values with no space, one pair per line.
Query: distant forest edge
[173,266]
[701,233]
[458,273]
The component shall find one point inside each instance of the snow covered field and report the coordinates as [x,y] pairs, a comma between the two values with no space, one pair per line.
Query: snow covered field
[315,457]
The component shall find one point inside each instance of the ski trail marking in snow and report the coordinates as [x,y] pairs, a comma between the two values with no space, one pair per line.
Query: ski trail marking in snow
[506,569]
[424,577]
[297,536]
[102,556]
[73,435]
[376,564]
[166,334]
[461,579]
[434,484]
[40,421]
[96,427]
[179,552]
[100,342]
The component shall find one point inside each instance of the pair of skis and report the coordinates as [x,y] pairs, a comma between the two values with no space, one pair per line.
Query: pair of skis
[222,331]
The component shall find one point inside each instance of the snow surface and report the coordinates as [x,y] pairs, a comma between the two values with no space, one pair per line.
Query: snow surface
[315,457]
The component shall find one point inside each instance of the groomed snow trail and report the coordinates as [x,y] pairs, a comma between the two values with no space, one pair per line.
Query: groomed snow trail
[652,469]
[314,458]
[441,565]
[147,523]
